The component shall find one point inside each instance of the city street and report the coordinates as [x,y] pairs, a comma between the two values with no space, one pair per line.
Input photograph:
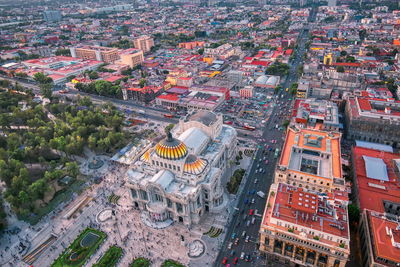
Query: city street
[241,217]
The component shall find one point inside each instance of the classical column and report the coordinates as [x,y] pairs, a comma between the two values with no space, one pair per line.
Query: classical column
[316,258]
[294,251]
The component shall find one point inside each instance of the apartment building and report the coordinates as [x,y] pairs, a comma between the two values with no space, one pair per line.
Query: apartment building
[302,228]
[131,57]
[144,43]
[99,53]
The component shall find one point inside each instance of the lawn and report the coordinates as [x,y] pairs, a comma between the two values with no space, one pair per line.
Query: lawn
[81,249]
[110,258]
[140,262]
[171,263]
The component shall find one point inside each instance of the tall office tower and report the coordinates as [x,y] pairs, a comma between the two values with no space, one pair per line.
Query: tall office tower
[52,15]
[332,2]
[144,43]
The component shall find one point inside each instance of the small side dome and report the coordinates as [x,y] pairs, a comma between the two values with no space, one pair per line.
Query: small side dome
[194,165]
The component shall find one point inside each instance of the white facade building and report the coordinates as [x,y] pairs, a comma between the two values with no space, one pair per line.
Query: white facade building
[180,178]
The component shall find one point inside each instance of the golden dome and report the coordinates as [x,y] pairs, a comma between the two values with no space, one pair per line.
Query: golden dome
[171,148]
[194,165]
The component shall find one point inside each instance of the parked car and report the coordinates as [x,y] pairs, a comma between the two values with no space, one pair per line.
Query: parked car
[242,255]
[235,260]
[230,245]
[247,239]
[251,212]
[225,260]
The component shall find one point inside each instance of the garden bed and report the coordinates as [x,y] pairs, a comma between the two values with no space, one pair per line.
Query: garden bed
[171,263]
[81,249]
[140,262]
[110,258]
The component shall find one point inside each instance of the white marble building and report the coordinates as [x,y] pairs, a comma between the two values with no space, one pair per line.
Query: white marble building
[180,178]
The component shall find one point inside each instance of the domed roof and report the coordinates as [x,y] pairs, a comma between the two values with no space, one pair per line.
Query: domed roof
[171,148]
[194,165]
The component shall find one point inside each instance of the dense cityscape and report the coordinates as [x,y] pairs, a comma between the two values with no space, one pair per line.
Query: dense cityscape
[177,133]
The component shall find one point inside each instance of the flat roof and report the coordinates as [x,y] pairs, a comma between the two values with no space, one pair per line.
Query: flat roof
[374,146]
[313,141]
[372,192]
[384,236]
[305,208]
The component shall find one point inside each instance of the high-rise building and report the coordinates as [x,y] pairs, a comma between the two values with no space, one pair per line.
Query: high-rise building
[52,15]
[332,3]
[144,43]
[100,53]
[132,57]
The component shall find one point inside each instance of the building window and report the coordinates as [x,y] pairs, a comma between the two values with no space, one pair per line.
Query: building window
[143,195]
[169,203]
[179,207]
[179,169]
[133,193]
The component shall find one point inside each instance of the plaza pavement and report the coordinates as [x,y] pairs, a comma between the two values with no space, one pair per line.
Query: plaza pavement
[125,229]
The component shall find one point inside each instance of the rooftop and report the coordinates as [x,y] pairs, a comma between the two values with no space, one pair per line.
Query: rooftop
[324,213]
[314,144]
[375,188]
[385,236]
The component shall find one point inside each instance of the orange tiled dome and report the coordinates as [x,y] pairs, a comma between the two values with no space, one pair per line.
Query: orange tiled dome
[171,148]
[194,165]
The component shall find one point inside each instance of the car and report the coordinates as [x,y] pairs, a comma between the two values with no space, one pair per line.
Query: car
[247,238]
[260,170]
[267,161]
[243,234]
[230,245]
[252,201]
[235,260]
[242,255]
[236,241]
[256,171]
[225,260]
[247,257]
[232,253]
[248,223]
[256,181]
[233,236]
[258,166]
[251,212]
[249,192]
[246,201]
[253,220]
[253,192]
[244,217]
